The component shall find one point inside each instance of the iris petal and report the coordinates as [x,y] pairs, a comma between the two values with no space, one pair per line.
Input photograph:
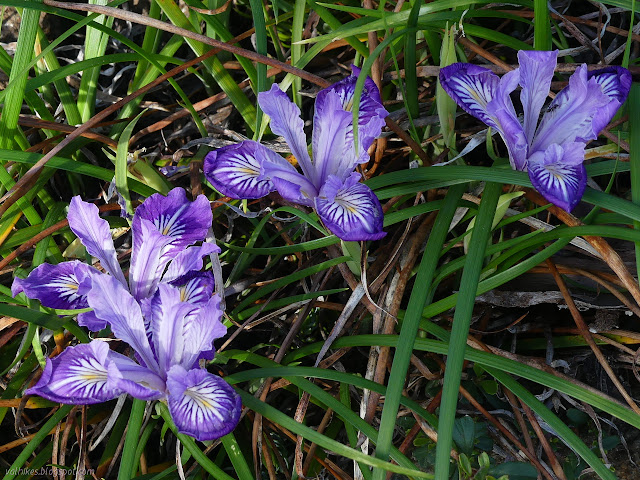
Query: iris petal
[570,115]
[77,376]
[350,209]
[56,286]
[112,303]
[371,115]
[536,72]
[236,170]
[95,235]
[286,121]
[472,87]
[183,221]
[615,83]
[559,175]
[202,405]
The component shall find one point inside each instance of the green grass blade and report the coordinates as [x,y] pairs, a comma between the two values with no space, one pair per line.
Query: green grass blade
[18,76]
[131,440]
[122,163]
[541,25]
[634,155]
[237,457]
[461,321]
[411,323]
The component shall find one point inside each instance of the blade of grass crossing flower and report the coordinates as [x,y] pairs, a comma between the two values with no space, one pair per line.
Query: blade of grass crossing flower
[634,155]
[237,458]
[460,329]
[18,77]
[126,471]
[122,163]
[366,71]
[37,439]
[411,323]
[190,445]
[541,25]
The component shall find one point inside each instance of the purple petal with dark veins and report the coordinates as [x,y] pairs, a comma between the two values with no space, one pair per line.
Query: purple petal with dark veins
[615,83]
[189,260]
[202,327]
[202,405]
[175,216]
[56,286]
[77,376]
[472,88]
[559,174]
[350,209]
[286,121]
[195,287]
[371,114]
[95,235]
[112,303]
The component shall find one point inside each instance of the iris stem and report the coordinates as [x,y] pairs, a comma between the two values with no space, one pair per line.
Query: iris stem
[131,440]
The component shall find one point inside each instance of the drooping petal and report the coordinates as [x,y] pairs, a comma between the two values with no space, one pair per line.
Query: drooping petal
[236,171]
[371,113]
[56,286]
[77,376]
[195,287]
[350,209]
[472,88]
[286,121]
[570,116]
[559,175]
[189,260]
[615,83]
[112,303]
[202,327]
[202,405]
[95,235]
[501,109]
[174,216]
[331,154]
[290,184]
[536,72]
[136,380]
[149,258]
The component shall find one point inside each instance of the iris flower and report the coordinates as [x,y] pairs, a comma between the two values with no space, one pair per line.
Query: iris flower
[328,182]
[167,313]
[550,150]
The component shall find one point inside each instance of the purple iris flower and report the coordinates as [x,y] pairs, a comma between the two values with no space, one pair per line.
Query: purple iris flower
[167,314]
[328,182]
[552,150]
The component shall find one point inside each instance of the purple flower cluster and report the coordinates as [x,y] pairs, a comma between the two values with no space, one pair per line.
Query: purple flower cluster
[551,150]
[328,182]
[167,313]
